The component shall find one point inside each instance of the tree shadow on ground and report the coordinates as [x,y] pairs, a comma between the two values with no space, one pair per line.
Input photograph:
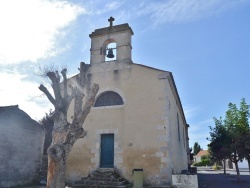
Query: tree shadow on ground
[223,181]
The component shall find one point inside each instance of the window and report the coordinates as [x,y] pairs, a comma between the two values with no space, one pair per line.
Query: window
[108,98]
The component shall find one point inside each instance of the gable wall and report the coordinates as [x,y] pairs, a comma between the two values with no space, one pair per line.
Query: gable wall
[139,125]
[179,140]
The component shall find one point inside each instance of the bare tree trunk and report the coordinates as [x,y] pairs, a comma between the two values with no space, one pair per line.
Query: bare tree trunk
[224,164]
[56,173]
[57,157]
[248,161]
[237,170]
[64,133]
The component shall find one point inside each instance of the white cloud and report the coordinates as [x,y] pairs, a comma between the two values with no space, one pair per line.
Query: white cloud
[190,111]
[15,90]
[199,132]
[173,11]
[112,5]
[29,28]
[107,7]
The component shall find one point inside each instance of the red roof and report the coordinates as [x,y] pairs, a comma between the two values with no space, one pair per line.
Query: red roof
[202,152]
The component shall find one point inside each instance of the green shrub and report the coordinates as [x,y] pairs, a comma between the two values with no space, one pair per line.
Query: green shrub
[205,161]
[216,167]
[196,164]
[201,163]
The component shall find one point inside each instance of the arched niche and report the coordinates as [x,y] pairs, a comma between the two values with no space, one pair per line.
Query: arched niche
[109,44]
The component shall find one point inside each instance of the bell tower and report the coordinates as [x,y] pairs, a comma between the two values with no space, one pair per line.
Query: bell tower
[120,35]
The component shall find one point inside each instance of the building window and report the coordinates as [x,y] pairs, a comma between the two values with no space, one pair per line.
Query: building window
[109,98]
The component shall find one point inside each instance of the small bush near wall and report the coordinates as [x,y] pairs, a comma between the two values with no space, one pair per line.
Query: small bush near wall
[205,161]
[200,164]
[216,167]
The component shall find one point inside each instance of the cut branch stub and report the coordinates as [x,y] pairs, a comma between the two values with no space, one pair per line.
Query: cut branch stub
[64,72]
[47,93]
[78,97]
[71,96]
[81,82]
[55,152]
[74,135]
[83,72]
[55,79]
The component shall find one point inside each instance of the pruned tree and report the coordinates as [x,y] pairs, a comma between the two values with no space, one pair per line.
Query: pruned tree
[65,133]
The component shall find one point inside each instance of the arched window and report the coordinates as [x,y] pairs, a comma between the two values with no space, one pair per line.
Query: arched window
[108,98]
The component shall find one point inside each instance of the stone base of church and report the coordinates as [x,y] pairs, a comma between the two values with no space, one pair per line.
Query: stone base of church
[185,181]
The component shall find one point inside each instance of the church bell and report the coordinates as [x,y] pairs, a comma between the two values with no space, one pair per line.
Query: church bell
[110,53]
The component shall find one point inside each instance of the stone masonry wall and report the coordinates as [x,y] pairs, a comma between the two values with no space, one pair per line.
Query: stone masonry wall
[21,144]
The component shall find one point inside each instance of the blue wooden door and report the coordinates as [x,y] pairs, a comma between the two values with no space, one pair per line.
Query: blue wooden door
[107,151]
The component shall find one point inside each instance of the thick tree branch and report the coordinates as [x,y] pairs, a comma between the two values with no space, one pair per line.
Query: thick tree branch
[73,93]
[81,82]
[65,89]
[83,72]
[47,93]
[89,103]
[55,79]
[78,98]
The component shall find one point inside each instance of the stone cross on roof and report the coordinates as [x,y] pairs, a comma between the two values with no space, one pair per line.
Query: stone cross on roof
[111,19]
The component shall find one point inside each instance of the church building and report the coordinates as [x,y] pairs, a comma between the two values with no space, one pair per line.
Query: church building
[137,121]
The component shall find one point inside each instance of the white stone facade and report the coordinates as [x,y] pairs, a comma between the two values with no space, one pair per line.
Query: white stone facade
[145,126]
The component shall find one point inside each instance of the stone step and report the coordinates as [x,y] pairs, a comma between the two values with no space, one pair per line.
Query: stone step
[100,186]
[102,178]
[110,176]
[102,182]
[118,179]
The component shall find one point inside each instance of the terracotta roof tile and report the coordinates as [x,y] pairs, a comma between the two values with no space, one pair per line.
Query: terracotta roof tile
[202,152]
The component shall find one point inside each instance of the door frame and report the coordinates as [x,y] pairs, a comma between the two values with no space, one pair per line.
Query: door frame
[112,155]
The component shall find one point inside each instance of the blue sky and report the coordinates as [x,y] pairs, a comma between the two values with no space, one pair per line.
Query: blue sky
[205,44]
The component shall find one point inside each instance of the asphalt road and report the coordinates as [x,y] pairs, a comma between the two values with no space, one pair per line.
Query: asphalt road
[216,179]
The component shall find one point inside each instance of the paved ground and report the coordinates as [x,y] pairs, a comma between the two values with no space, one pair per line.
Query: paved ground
[216,179]
[38,186]
[209,178]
